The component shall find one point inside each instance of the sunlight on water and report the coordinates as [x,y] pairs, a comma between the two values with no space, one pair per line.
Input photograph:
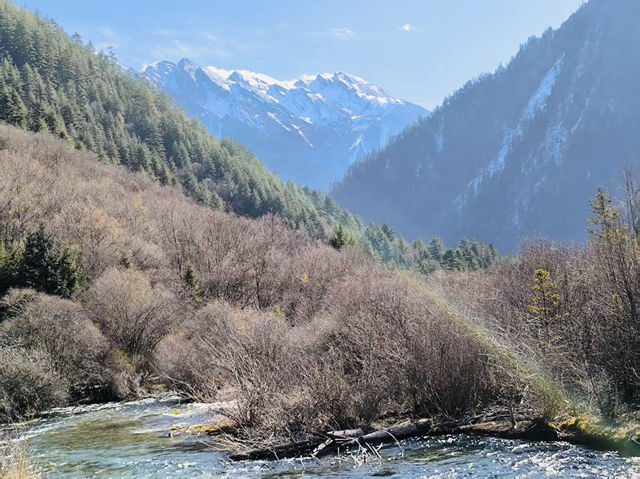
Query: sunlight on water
[133,440]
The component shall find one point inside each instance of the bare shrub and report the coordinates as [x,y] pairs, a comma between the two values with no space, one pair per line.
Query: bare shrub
[132,313]
[76,348]
[425,359]
[588,341]
[14,301]
[28,383]
[376,346]
[184,357]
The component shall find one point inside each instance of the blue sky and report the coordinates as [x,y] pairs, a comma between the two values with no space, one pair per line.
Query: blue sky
[420,50]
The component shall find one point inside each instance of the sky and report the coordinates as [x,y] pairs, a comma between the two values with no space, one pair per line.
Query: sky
[418,50]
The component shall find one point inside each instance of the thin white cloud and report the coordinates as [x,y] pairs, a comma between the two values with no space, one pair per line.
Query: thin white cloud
[164,33]
[108,34]
[342,33]
[178,49]
[200,47]
[407,27]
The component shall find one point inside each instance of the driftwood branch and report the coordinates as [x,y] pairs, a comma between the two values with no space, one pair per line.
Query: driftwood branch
[321,444]
[328,443]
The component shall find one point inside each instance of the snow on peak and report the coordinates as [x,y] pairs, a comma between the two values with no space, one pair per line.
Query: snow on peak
[258,81]
[334,116]
[323,97]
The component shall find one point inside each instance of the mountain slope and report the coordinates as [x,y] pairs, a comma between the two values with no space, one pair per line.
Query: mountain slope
[50,82]
[308,130]
[519,152]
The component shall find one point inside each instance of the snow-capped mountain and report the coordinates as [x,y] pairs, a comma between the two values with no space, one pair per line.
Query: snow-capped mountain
[308,130]
[520,152]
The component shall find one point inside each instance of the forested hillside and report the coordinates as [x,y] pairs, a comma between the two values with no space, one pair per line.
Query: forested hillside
[517,153]
[52,83]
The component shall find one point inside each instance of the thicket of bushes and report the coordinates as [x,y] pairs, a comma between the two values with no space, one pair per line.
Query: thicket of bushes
[163,289]
[305,336]
[572,309]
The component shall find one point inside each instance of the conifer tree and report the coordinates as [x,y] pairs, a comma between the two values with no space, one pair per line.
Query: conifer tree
[389,232]
[48,269]
[436,249]
[341,238]
[545,303]
[192,283]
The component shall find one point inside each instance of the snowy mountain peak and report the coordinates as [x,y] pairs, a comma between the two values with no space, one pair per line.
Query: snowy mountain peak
[308,129]
[262,82]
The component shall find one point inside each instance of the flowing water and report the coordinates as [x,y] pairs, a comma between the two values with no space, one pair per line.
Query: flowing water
[134,439]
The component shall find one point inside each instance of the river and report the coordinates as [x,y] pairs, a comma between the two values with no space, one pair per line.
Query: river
[133,439]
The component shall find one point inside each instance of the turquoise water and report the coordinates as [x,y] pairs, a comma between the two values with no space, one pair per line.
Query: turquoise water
[133,440]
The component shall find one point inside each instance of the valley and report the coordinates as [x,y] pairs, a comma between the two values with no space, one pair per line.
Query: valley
[173,303]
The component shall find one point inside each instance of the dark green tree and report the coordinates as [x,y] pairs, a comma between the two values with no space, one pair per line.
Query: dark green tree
[341,238]
[389,232]
[436,249]
[452,260]
[49,269]
[192,283]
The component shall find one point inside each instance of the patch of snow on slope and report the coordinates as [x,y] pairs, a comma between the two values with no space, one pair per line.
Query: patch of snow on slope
[587,103]
[538,102]
[555,142]
[356,143]
[497,165]
[275,118]
[297,128]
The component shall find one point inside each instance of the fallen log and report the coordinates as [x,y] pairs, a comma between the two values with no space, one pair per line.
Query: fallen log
[524,430]
[330,442]
[280,451]
[582,432]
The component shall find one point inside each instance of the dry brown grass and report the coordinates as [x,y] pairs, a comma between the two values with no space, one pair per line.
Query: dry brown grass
[16,464]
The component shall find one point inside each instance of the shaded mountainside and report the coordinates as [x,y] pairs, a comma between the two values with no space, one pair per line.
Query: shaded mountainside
[308,130]
[519,152]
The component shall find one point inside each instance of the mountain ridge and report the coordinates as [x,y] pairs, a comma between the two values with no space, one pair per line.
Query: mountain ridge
[519,152]
[324,122]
